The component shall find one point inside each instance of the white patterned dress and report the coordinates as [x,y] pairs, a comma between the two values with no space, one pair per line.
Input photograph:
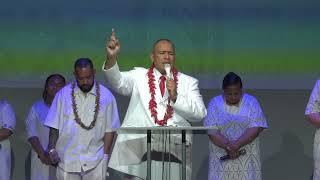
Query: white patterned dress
[232,121]
[313,106]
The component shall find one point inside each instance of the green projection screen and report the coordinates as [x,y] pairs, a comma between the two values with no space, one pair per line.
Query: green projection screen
[269,43]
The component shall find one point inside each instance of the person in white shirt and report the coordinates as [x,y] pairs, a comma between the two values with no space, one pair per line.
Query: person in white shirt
[82,121]
[159,97]
[312,114]
[7,125]
[239,119]
[38,133]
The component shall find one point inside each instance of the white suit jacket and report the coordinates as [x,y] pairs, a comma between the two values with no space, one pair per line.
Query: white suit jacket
[189,107]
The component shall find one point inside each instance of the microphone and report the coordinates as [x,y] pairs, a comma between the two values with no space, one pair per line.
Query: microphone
[227,157]
[167,68]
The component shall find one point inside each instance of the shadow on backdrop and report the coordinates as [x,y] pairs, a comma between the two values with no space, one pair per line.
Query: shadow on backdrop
[288,162]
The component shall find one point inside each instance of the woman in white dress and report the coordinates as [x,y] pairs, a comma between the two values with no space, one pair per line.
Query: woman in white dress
[239,119]
[312,113]
[38,134]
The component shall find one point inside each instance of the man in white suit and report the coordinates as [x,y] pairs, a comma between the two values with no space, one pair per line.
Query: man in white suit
[160,96]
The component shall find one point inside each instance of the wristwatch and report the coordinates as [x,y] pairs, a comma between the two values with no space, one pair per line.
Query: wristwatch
[52,150]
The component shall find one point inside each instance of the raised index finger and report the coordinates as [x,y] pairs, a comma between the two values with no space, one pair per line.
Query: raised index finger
[113,35]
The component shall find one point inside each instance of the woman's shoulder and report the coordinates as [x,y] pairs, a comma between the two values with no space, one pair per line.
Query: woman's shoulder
[249,99]
[216,99]
[4,103]
[317,84]
[248,96]
[38,104]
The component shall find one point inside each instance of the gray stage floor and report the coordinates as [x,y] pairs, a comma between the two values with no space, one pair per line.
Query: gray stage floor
[286,146]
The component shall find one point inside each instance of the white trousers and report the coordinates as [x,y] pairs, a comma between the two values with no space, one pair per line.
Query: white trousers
[5,160]
[97,173]
[40,171]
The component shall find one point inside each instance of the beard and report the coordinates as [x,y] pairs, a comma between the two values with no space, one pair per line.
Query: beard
[85,88]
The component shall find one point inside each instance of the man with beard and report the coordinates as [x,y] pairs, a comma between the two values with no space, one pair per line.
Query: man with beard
[82,121]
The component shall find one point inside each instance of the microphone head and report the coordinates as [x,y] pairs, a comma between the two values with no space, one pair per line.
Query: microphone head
[167,68]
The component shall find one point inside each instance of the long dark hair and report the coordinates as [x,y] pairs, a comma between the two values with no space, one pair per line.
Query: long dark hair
[45,89]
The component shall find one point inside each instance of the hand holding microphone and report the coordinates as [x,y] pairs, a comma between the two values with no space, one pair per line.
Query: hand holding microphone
[167,68]
[228,157]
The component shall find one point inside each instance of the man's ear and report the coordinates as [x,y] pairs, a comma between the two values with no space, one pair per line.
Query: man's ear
[152,57]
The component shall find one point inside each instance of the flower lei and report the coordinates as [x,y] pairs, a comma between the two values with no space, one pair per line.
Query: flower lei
[75,110]
[153,103]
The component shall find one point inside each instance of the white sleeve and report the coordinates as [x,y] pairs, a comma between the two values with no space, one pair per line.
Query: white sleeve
[55,114]
[121,82]
[31,123]
[313,105]
[112,116]
[8,117]
[257,117]
[190,105]
[211,118]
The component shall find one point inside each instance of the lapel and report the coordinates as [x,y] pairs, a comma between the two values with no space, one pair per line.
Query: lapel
[144,94]
[143,88]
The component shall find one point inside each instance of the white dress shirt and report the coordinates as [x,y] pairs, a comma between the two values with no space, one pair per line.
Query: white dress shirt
[7,121]
[80,149]
[7,116]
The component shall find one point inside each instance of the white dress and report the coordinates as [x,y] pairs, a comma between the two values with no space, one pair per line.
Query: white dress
[313,106]
[7,121]
[232,121]
[35,128]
